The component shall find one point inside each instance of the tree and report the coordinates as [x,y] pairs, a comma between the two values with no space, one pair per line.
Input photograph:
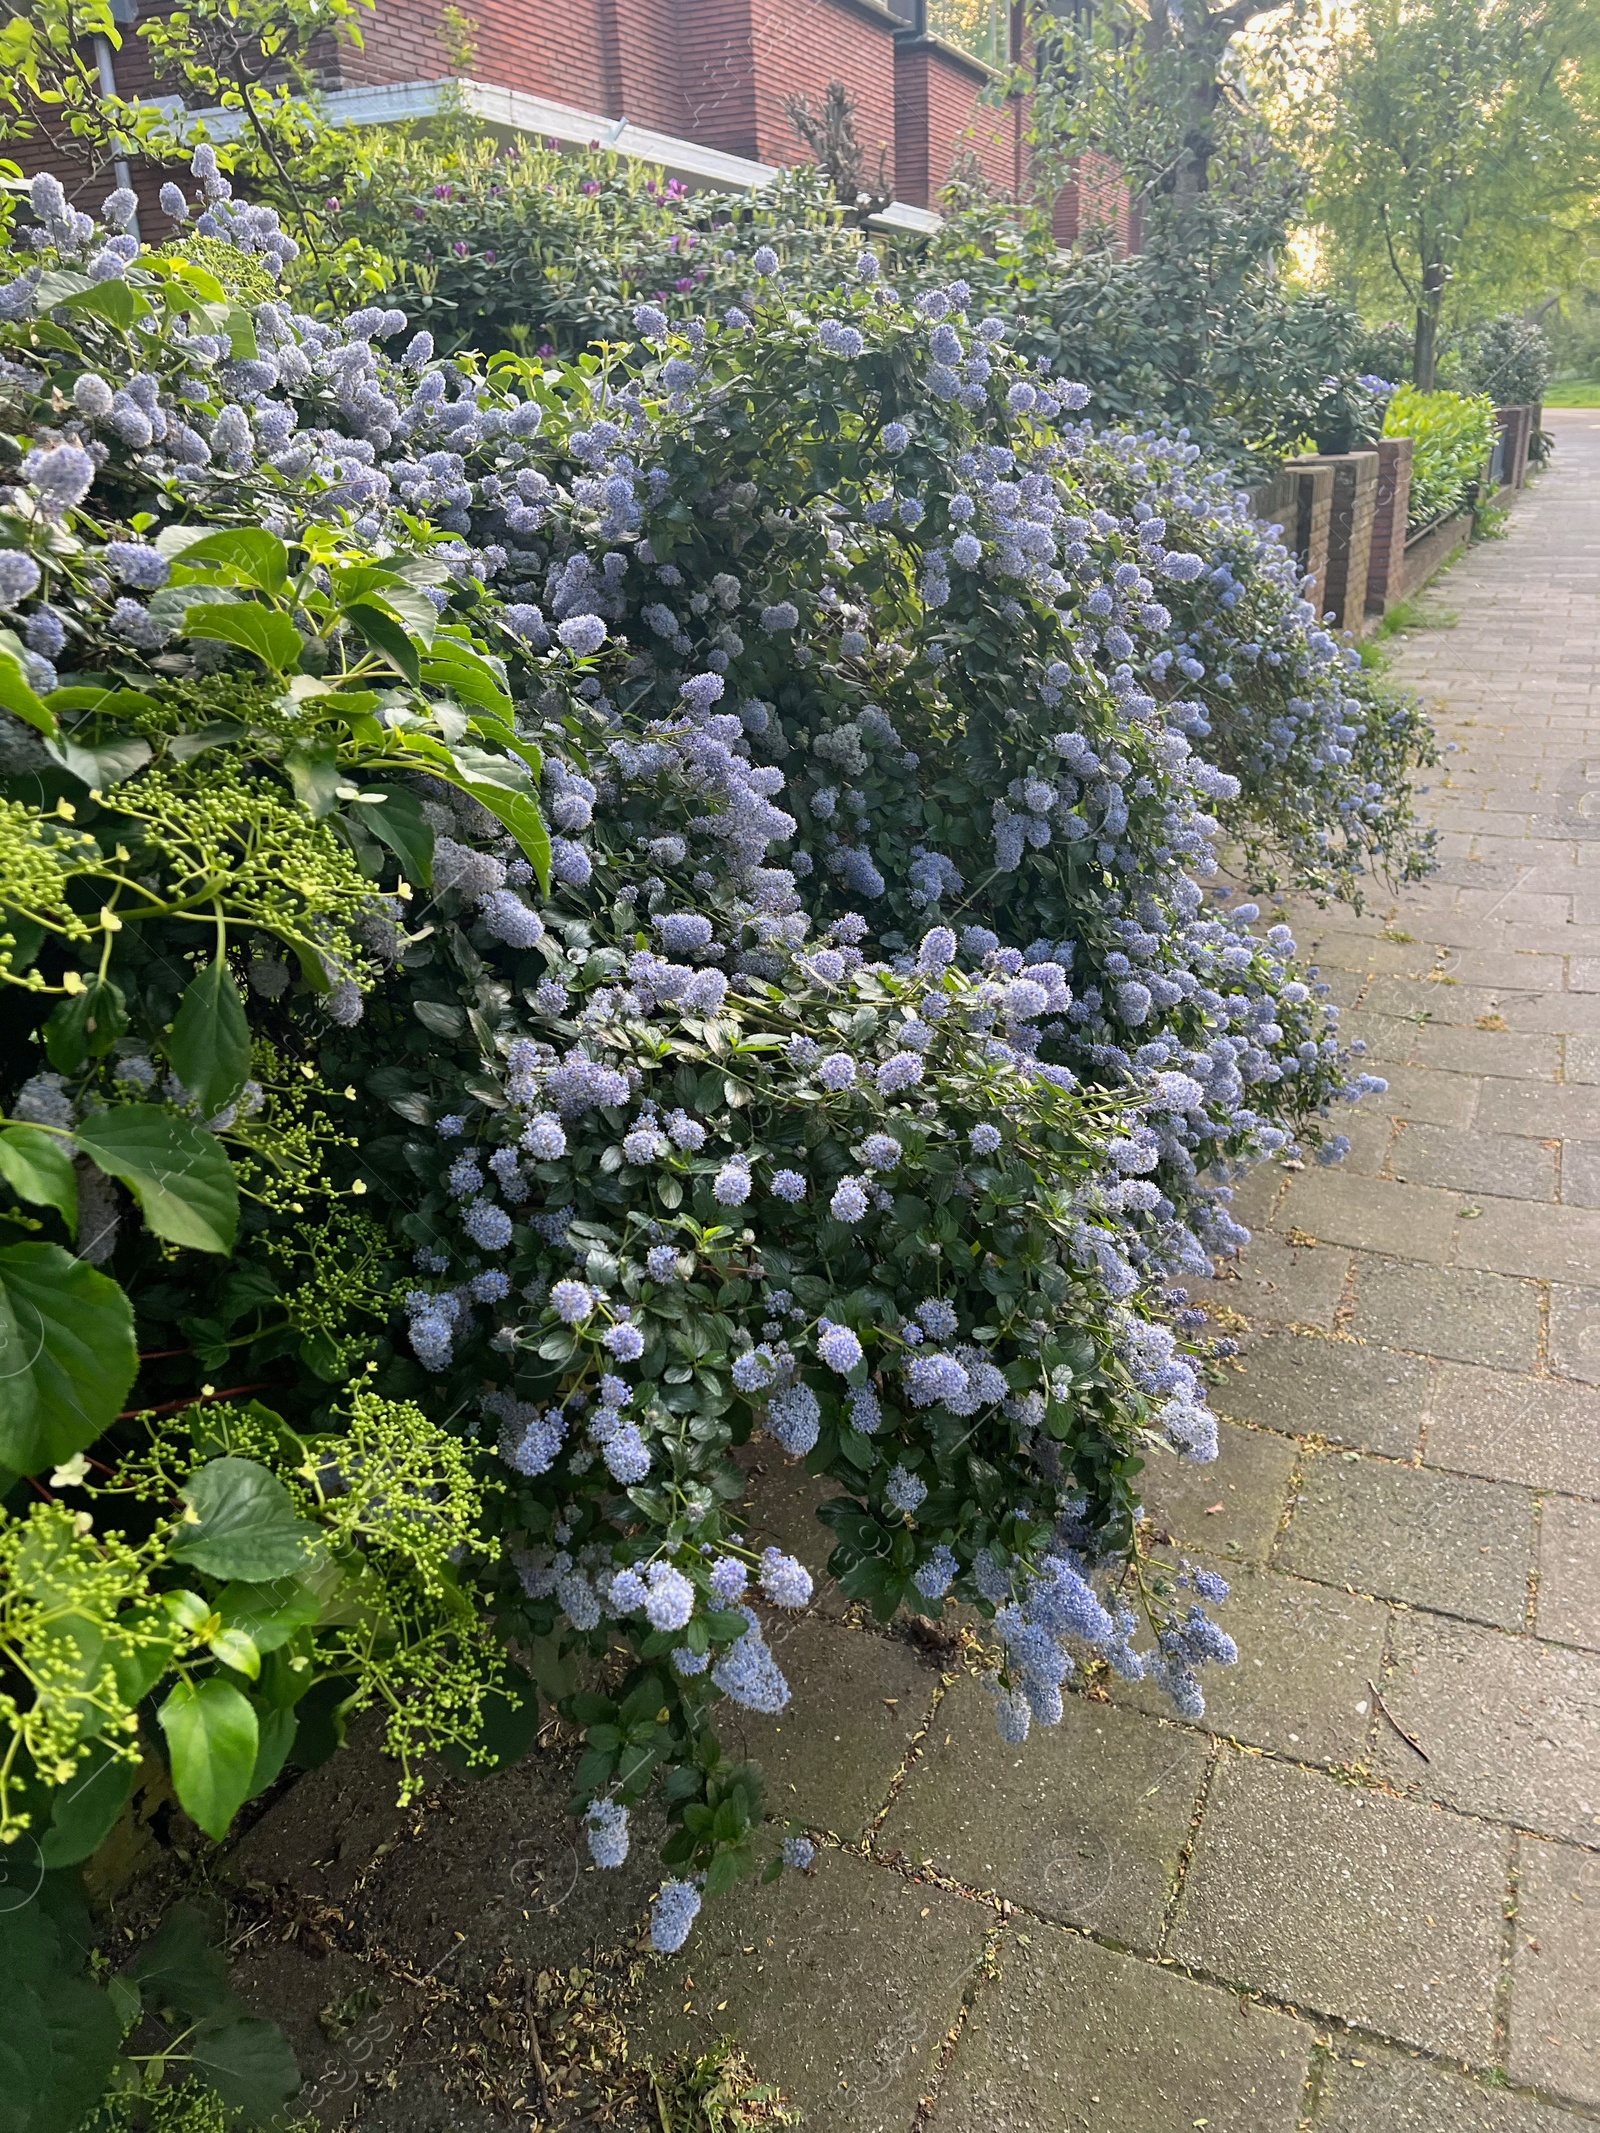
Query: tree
[1456,151]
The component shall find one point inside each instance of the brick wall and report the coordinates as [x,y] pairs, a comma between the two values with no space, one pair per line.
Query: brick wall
[939,113]
[1386,564]
[742,59]
[1096,199]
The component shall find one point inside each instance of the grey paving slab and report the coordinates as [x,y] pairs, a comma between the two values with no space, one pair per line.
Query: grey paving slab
[1441,1541]
[1369,2090]
[1367,1396]
[1555,1980]
[1465,1316]
[1580,1173]
[831,1756]
[1278,1283]
[1510,1725]
[1350,1903]
[1429,1095]
[1541,1431]
[1574,1332]
[1369,1214]
[1570,1111]
[1467,1160]
[1075,2039]
[840,1984]
[1521,1237]
[1569,1571]
[1083,1823]
[1306,1655]
[1232,1506]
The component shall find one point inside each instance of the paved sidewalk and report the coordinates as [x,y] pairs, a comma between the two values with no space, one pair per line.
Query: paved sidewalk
[1363,1897]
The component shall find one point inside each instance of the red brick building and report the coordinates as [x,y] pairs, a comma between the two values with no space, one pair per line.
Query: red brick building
[700,87]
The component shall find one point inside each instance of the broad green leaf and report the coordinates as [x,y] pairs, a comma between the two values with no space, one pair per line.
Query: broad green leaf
[245,1524]
[84,1811]
[59,286]
[234,1649]
[453,666]
[248,2062]
[112,300]
[268,1613]
[502,784]
[17,698]
[257,556]
[38,1168]
[278,1728]
[212,1737]
[210,1042]
[67,1355]
[404,828]
[180,1175]
[107,763]
[241,330]
[183,1967]
[272,637]
[414,609]
[85,1026]
[106,703]
[387,635]
[315,775]
[84,2035]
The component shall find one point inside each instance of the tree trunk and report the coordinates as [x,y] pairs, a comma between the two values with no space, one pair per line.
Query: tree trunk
[1425,346]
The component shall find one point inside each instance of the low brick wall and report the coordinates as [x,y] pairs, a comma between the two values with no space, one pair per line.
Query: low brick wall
[1298,500]
[1355,496]
[1386,562]
[1428,552]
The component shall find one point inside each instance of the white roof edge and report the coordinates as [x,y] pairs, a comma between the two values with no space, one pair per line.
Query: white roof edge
[390,103]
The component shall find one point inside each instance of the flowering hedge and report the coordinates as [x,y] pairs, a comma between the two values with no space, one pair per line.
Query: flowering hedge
[596,912]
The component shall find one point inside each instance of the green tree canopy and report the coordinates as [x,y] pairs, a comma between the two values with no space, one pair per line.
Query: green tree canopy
[1456,151]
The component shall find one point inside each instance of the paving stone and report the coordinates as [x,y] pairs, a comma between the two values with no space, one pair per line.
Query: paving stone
[1475,1162]
[1555,1975]
[1370,1397]
[1569,1571]
[1523,1237]
[1445,1311]
[1406,1533]
[1306,1655]
[840,1984]
[1483,1051]
[1274,1282]
[832,1754]
[1083,1823]
[1575,1332]
[1143,2050]
[1350,1903]
[1567,1112]
[1426,1094]
[1230,1507]
[1580,1173]
[1510,1725]
[1411,1221]
[1508,1428]
[1367,2090]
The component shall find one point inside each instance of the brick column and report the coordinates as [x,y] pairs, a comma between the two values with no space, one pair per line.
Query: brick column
[1355,492]
[1387,560]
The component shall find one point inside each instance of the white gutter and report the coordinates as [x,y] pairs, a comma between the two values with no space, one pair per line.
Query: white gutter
[513,111]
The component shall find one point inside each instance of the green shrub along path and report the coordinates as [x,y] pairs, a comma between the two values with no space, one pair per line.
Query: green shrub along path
[1359,1897]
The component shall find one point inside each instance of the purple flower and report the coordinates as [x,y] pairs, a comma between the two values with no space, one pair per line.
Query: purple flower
[785,1581]
[849,1202]
[488,1226]
[902,1070]
[837,1072]
[881,1151]
[625,1342]
[19,576]
[572,1301]
[794,1419]
[670,1602]
[582,634]
[661,1262]
[932,1378]
[788,1185]
[839,1348]
[731,1186]
[606,1827]
[672,1913]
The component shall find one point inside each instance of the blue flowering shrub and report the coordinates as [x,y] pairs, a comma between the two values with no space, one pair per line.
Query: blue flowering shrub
[561,920]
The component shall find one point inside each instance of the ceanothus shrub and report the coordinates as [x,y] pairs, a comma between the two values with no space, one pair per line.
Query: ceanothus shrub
[871,1062]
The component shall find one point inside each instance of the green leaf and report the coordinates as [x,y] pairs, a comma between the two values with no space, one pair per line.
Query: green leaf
[272,637]
[17,698]
[403,827]
[106,763]
[502,785]
[269,1614]
[314,773]
[387,635]
[59,286]
[67,1355]
[38,1169]
[210,1042]
[84,2035]
[414,610]
[248,2062]
[259,558]
[112,300]
[241,331]
[245,1524]
[85,1026]
[84,1811]
[278,1729]
[183,1967]
[212,1738]
[454,666]
[179,1175]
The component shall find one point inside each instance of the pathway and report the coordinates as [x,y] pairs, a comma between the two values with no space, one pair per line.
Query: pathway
[1363,1897]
